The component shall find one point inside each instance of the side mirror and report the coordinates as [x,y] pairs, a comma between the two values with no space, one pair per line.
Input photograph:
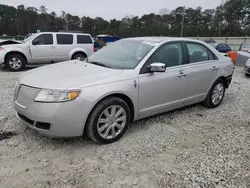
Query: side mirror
[157,67]
[35,42]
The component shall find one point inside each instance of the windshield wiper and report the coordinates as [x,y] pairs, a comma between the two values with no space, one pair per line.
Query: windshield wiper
[100,64]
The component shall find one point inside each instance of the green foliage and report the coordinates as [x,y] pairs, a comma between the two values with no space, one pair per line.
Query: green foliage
[231,18]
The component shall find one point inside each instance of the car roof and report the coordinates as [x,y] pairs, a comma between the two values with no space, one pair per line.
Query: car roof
[164,39]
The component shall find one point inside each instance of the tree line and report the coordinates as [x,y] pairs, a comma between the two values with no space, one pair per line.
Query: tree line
[230,18]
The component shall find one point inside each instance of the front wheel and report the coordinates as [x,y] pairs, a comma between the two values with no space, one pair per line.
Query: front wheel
[15,62]
[108,121]
[216,94]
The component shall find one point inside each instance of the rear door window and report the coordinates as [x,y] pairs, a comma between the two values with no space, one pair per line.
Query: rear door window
[84,39]
[64,39]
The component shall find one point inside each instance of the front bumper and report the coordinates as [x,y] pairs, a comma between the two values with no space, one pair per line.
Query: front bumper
[57,120]
[246,70]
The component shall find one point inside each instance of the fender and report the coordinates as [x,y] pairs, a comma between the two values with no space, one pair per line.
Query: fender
[76,50]
[21,48]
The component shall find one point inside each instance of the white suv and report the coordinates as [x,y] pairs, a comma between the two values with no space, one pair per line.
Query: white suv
[46,47]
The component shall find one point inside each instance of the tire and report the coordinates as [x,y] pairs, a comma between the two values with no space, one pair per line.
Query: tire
[79,55]
[209,103]
[15,62]
[98,120]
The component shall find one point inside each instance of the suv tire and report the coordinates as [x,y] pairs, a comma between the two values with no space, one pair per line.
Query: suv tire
[108,121]
[15,62]
[79,55]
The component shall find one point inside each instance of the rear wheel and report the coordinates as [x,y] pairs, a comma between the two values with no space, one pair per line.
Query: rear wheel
[216,94]
[79,55]
[15,62]
[108,121]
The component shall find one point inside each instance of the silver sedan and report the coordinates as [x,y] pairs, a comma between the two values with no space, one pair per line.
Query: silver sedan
[247,68]
[126,81]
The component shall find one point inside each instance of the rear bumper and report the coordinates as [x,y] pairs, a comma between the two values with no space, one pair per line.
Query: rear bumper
[246,70]
[228,80]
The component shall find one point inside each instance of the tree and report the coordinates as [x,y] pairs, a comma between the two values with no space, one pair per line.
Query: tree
[230,18]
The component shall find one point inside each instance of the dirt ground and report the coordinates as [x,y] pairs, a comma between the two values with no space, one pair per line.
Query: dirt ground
[191,147]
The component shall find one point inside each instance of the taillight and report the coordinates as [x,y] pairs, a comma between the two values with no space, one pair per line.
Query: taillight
[94,49]
[1,48]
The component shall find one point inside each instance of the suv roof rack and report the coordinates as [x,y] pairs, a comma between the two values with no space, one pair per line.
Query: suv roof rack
[67,31]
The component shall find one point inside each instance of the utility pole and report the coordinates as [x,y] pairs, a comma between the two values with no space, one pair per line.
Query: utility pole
[219,28]
[182,22]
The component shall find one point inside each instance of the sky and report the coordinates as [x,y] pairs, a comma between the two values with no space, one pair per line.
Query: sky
[110,9]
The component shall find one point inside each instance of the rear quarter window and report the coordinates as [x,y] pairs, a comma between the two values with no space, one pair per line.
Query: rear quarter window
[64,39]
[84,39]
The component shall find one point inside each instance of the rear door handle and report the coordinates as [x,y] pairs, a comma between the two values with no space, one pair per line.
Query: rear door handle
[53,47]
[181,74]
[215,68]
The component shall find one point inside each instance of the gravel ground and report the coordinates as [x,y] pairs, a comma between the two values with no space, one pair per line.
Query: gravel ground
[192,147]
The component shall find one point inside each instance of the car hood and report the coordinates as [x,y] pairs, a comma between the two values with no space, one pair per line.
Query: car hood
[9,42]
[68,74]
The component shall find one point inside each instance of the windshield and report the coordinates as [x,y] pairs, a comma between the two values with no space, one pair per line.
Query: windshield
[123,54]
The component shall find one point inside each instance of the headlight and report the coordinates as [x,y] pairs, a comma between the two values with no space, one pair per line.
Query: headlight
[56,95]
[248,62]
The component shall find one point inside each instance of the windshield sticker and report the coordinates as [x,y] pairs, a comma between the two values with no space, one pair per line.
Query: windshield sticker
[150,43]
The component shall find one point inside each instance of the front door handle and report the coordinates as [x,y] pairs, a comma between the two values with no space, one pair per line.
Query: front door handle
[53,47]
[215,68]
[181,74]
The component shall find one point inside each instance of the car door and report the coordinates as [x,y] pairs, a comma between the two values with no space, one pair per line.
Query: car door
[201,70]
[64,44]
[159,92]
[42,48]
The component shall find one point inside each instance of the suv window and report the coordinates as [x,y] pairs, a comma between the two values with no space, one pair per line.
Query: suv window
[44,39]
[84,39]
[64,39]
[170,54]
[199,53]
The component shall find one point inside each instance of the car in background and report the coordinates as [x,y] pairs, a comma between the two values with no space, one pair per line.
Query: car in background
[222,47]
[46,47]
[245,47]
[128,80]
[247,68]
[209,41]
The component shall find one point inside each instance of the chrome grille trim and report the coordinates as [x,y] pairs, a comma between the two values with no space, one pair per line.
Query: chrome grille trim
[26,94]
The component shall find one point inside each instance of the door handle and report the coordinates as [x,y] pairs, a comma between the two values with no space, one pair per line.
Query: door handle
[181,74]
[215,68]
[53,47]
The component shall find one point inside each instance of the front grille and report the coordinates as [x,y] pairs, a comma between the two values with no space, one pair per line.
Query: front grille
[26,94]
